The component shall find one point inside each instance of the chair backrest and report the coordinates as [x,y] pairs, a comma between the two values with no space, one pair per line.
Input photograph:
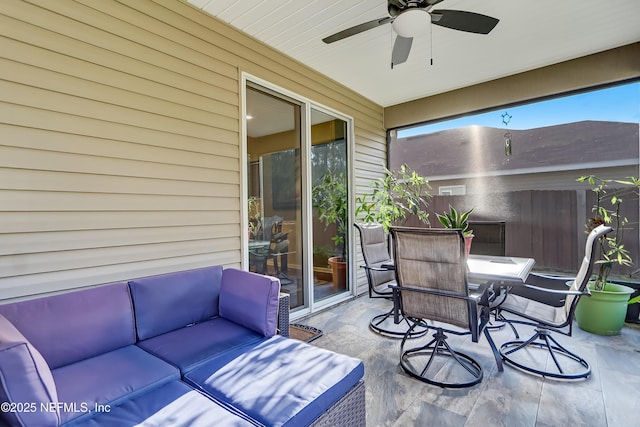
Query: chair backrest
[586,267]
[373,241]
[270,223]
[432,259]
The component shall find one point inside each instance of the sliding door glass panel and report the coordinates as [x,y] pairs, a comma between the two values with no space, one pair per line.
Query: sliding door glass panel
[275,216]
[329,188]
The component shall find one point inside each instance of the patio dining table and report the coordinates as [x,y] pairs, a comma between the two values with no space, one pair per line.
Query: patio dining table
[498,270]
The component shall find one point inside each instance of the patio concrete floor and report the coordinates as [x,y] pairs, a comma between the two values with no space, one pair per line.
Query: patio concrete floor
[609,397]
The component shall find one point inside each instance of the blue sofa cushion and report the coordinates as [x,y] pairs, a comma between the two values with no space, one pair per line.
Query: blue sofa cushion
[280,381]
[77,325]
[188,347]
[173,404]
[109,379]
[250,300]
[171,301]
[25,379]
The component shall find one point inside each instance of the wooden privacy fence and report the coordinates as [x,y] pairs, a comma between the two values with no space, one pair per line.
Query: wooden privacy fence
[547,225]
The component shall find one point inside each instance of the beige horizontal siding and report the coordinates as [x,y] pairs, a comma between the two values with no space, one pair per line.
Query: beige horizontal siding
[120,142]
[46,221]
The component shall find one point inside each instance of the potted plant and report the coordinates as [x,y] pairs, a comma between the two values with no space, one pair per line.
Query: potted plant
[453,219]
[633,308]
[255,218]
[604,312]
[394,197]
[331,200]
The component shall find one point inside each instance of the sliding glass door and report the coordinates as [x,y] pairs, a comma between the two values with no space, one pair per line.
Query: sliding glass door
[297,196]
[329,183]
[274,187]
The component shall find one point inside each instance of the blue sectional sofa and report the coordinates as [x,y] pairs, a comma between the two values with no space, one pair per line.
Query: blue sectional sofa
[190,348]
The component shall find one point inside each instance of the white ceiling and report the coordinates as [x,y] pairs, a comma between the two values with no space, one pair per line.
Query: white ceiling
[530,34]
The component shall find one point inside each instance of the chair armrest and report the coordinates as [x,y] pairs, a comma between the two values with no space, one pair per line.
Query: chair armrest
[546,289]
[279,237]
[558,291]
[478,305]
[371,268]
[384,266]
[475,298]
[548,280]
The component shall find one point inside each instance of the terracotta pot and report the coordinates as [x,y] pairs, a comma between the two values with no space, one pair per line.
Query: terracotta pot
[467,243]
[339,272]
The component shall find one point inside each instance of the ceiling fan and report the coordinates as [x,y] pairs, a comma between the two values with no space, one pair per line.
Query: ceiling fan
[410,18]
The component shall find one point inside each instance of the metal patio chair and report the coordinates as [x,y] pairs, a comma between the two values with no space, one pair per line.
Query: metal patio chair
[431,274]
[548,304]
[380,275]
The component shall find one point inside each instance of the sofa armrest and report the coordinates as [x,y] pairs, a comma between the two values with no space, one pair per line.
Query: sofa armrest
[250,300]
[284,306]
[26,381]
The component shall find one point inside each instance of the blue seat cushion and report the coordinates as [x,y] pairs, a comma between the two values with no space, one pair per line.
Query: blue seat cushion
[255,380]
[189,347]
[173,404]
[109,378]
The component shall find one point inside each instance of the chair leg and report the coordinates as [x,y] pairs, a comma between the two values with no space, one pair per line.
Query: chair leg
[438,347]
[543,341]
[558,348]
[500,318]
[385,325]
[494,349]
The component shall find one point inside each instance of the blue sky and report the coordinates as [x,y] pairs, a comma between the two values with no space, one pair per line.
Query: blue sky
[619,104]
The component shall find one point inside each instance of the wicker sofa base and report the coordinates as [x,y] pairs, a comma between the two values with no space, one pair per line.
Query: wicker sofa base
[347,412]
[284,306]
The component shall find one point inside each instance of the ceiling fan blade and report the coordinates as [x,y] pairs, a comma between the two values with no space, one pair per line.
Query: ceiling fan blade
[356,30]
[401,49]
[464,21]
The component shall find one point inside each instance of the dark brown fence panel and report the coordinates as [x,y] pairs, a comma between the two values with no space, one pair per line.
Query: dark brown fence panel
[547,225]
[538,224]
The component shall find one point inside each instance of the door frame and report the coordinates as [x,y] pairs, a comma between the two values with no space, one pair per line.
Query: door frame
[310,306]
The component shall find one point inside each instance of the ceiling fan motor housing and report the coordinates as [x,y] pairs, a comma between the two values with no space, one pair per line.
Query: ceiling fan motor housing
[395,7]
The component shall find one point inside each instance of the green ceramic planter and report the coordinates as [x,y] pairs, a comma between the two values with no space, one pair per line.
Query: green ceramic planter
[603,313]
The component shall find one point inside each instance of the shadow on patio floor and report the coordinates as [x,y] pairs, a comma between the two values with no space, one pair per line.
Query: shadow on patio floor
[511,398]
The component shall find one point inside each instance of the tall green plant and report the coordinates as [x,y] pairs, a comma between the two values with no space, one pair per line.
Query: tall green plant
[394,197]
[330,198]
[607,211]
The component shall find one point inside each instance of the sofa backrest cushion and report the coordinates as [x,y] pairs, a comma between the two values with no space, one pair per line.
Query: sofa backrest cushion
[171,301]
[250,300]
[25,380]
[77,325]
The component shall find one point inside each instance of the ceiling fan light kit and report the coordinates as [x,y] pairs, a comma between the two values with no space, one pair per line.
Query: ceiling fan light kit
[411,23]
